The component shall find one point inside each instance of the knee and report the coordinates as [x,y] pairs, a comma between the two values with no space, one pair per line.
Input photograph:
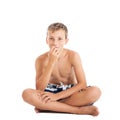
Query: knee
[94,93]
[26,94]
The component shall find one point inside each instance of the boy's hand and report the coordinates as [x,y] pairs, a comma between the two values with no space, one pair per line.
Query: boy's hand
[54,53]
[47,97]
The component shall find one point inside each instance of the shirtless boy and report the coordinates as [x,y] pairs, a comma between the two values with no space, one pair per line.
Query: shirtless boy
[60,80]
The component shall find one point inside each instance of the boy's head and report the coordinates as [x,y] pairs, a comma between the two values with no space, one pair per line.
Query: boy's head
[58,26]
[57,35]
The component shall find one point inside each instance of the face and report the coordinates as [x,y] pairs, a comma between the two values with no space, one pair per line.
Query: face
[56,39]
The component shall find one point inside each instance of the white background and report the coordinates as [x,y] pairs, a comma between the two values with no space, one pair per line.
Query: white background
[94,32]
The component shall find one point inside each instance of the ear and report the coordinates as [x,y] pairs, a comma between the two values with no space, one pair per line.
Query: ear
[66,41]
[46,41]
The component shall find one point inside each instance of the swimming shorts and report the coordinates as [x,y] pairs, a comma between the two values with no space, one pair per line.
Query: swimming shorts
[57,88]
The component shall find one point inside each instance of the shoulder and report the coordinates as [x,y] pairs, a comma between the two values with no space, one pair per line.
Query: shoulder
[41,58]
[72,53]
[73,56]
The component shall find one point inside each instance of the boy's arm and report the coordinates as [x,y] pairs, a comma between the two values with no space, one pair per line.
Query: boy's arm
[80,76]
[43,73]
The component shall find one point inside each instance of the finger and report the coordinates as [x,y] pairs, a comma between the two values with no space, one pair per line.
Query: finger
[52,49]
[55,50]
[46,99]
[43,95]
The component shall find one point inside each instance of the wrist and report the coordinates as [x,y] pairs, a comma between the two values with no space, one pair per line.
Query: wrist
[51,62]
[57,96]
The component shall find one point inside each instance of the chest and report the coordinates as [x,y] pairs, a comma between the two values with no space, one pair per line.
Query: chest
[62,69]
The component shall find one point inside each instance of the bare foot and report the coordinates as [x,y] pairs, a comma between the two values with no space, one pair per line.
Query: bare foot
[37,110]
[90,110]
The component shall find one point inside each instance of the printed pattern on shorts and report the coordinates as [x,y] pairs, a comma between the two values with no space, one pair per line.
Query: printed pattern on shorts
[57,88]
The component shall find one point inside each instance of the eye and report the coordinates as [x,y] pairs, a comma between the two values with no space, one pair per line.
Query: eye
[60,39]
[51,38]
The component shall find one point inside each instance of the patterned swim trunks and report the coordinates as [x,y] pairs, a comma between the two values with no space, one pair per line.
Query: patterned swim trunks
[57,88]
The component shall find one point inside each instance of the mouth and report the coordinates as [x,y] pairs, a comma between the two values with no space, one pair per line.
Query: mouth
[55,46]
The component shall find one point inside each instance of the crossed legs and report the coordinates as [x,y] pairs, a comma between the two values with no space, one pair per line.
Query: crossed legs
[78,103]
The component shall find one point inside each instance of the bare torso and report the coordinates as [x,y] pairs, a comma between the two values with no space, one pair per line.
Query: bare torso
[63,71]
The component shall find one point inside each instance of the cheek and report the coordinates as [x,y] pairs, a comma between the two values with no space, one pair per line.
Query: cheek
[63,43]
[47,41]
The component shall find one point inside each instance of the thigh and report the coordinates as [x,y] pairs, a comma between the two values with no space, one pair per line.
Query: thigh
[79,98]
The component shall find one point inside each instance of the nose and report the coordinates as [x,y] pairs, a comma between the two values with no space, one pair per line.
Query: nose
[55,42]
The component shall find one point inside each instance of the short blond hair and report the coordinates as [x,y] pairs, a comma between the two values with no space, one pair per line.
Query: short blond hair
[57,26]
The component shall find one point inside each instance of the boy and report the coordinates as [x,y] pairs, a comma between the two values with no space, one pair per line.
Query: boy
[60,80]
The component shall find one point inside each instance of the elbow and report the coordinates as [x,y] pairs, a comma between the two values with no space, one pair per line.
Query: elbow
[40,87]
[37,86]
[82,85]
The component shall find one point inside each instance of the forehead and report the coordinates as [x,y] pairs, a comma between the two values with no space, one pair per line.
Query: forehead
[58,33]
